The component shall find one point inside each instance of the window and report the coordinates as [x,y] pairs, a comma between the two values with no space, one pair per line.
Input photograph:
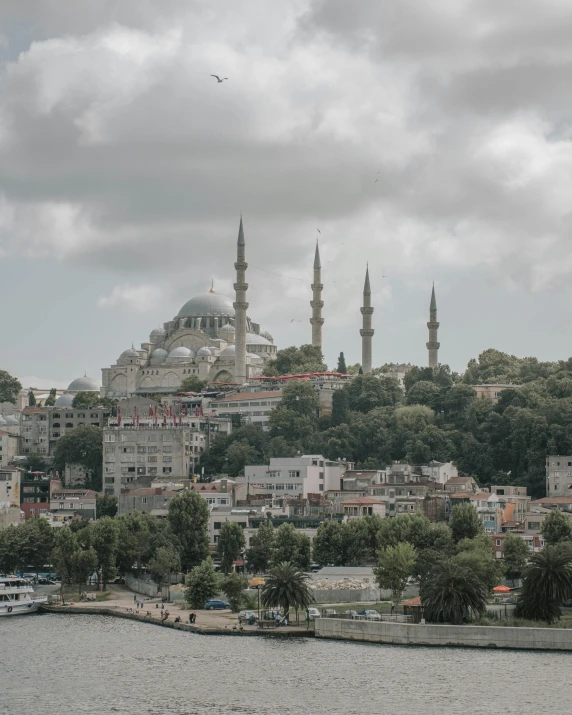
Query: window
[167,470]
[498,542]
[151,459]
[128,450]
[152,470]
[109,480]
[141,450]
[293,474]
[321,487]
[168,449]
[151,450]
[109,450]
[110,438]
[167,459]
[143,500]
[217,525]
[321,475]
[534,525]
[32,512]
[273,474]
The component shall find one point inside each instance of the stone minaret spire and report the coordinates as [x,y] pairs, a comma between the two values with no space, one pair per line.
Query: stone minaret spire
[240,307]
[433,345]
[317,303]
[366,332]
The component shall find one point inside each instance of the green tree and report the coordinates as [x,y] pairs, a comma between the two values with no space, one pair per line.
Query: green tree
[84,563]
[516,554]
[342,364]
[286,587]
[10,387]
[546,584]
[366,392]
[63,554]
[84,446]
[193,383]
[465,522]
[51,398]
[328,546]
[10,547]
[165,561]
[356,547]
[291,546]
[477,555]
[103,537]
[188,518]
[451,594]
[233,587]
[296,417]
[202,584]
[230,544]
[294,361]
[31,398]
[87,400]
[425,393]
[395,565]
[238,455]
[340,407]
[105,505]
[556,528]
[259,554]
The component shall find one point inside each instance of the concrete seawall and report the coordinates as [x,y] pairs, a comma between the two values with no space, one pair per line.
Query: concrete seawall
[199,629]
[445,635]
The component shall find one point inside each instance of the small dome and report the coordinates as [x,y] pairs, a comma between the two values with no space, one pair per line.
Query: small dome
[207,304]
[230,351]
[84,384]
[266,334]
[158,332]
[181,352]
[227,328]
[252,356]
[159,353]
[131,353]
[254,339]
[203,352]
[12,421]
[64,400]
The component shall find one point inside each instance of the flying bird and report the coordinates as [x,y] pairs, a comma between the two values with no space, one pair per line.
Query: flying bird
[375,182]
[318,230]
[218,79]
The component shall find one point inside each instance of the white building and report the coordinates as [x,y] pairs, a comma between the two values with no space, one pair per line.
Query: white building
[8,447]
[308,474]
[250,407]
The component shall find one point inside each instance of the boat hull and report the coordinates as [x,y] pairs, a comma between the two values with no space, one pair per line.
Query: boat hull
[20,609]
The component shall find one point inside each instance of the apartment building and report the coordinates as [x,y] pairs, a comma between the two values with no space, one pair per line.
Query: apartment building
[8,447]
[247,407]
[10,512]
[42,427]
[308,474]
[558,476]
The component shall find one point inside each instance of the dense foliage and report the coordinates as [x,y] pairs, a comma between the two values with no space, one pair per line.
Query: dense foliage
[84,446]
[437,416]
[9,387]
[547,584]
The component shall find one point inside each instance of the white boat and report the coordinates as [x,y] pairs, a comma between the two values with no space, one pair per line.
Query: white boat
[17,596]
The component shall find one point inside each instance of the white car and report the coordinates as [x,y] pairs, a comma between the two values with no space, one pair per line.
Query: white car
[371,615]
[313,613]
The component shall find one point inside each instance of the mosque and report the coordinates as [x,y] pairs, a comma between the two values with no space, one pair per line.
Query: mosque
[210,337]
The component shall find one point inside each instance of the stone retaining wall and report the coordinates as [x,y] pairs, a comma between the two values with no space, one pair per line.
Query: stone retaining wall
[445,635]
[147,588]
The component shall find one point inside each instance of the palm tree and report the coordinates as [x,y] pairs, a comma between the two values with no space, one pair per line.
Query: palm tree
[286,586]
[547,583]
[450,593]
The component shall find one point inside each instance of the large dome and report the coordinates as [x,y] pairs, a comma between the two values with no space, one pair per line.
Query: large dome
[64,400]
[181,352]
[84,384]
[207,304]
[254,339]
[230,351]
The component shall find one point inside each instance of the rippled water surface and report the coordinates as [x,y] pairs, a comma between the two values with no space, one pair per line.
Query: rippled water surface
[56,664]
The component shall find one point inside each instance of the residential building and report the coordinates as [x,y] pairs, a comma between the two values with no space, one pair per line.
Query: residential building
[67,504]
[308,474]
[35,494]
[494,391]
[8,447]
[134,456]
[461,484]
[10,512]
[152,500]
[247,407]
[365,506]
[558,476]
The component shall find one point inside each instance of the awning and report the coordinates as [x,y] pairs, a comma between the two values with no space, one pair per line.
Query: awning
[502,589]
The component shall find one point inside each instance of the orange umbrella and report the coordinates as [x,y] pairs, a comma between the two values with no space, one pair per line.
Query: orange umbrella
[502,589]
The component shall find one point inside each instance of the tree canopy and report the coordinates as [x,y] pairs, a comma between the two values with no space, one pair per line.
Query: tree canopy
[84,446]
[9,387]
[293,361]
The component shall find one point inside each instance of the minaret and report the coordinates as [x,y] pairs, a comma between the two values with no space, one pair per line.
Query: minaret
[433,345]
[240,307]
[317,303]
[366,332]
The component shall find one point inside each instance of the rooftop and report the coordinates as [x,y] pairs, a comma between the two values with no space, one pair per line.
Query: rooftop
[251,396]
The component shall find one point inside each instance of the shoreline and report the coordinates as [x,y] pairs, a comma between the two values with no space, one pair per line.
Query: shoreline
[284,632]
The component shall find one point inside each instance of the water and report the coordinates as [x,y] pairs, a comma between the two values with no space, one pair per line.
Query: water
[55,664]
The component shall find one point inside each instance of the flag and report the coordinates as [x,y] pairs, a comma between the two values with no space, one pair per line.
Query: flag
[180,419]
[201,410]
[135,416]
[150,410]
[186,410]
[156,415]
[165,416]
[197,411]
[118,416]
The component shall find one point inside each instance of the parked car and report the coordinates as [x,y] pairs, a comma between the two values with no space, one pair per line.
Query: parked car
[215,605]
[351,613]
[312,614]
[247,617]
[330,612]
[370,614]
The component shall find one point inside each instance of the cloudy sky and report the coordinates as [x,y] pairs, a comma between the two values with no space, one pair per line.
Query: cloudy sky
[430,139]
